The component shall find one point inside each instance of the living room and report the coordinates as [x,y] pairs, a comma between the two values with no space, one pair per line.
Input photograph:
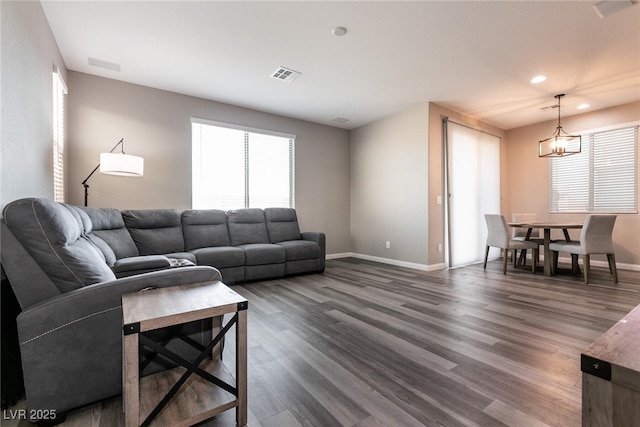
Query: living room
[382,181]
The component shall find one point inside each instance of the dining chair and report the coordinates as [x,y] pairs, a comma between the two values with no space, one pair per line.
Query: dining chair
[498,236]
[596,237]
[520,233]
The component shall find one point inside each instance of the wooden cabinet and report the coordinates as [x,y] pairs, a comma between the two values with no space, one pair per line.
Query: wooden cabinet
[611,376]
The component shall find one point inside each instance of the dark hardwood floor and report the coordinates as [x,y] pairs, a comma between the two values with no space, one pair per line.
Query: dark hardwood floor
[367,344]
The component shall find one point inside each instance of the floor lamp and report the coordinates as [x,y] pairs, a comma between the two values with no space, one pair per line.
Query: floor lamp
[116,164]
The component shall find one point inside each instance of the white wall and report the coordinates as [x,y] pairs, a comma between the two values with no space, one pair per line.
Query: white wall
[389,187]
[28,54]
[156,125]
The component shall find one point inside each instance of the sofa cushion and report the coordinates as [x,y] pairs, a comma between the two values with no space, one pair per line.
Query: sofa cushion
[220,256]
[263,253]
[300,249]
[247,226]
[204,229]
[108,225]
[83,219]
[53,236]
[155,231]
[282,224]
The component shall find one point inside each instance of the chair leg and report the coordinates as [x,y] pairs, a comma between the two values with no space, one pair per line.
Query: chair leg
[554,261]
[505,255]
[575,267]
[612,267]
[486,255]
[534,260]
[587,267]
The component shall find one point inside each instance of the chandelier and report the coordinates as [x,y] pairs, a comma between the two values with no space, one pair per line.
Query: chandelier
[560,143]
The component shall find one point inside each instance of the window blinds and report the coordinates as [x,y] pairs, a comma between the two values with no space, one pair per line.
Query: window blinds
[234,167]
[602,178]
[59,91]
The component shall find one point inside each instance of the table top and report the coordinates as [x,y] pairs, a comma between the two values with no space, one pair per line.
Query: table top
[161,307]
[619,347]
[542,224]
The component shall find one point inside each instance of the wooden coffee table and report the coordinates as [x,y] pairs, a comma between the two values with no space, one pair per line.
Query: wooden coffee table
[176,397]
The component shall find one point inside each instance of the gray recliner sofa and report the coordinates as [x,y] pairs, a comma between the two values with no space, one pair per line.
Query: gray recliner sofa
[69,266]
[243,244]
[71,320]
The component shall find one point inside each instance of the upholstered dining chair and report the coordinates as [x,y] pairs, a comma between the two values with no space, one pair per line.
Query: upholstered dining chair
[498,236]
[596,237]
[520,233]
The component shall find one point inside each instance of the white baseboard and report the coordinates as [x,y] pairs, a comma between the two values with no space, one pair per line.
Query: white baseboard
[600,263]
[423,267]
[441,266]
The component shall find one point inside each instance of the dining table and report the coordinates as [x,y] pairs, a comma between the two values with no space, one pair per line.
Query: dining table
[565,226]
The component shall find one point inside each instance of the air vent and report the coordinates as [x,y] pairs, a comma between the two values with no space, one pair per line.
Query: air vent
[104,64]
[609,7]
[340,120]
[285,74]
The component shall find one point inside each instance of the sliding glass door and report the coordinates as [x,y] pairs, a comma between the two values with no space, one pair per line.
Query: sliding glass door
[473,187]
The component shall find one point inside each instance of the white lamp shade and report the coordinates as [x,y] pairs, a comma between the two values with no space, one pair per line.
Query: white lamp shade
[121,164]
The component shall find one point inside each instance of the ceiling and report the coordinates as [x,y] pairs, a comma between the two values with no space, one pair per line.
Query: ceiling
[475,57]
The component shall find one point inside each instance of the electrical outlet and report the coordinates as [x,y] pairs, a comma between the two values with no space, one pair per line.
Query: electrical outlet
[388,244]
[439,248]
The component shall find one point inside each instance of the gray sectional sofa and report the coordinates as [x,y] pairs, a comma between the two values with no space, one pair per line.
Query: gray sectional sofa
[69,266]
[243,244]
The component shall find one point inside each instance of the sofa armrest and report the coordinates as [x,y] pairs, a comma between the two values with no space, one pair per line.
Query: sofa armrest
[140,264]
[89,301]
[321,239]
[315,236]
[78,335]
[131,266]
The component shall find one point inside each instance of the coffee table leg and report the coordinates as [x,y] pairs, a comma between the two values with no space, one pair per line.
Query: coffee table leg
[216,326]
[130,380]
[241,367]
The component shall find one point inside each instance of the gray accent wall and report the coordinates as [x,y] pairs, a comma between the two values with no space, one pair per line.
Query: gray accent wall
[28,53]
[389,187]
[156,125]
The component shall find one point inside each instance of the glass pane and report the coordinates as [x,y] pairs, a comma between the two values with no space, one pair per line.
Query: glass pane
[269,171]
[218,168]
[474,186]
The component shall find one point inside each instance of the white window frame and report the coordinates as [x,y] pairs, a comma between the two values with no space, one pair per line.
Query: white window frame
[58,138]
[578,176]
[250,136]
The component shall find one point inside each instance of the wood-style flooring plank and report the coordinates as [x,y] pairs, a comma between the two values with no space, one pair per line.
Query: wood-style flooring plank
[367,344]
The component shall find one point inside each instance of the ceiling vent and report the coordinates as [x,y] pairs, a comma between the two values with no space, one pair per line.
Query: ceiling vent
[285,74]
[104,64]
[605,8]
[340,120]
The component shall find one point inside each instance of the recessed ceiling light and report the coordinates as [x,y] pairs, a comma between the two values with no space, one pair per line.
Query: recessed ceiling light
[583,106]
[538,79]
[339,31]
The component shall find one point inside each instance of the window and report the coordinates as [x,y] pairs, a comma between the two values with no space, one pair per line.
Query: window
[59,92]
[235,167]
[601,178]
